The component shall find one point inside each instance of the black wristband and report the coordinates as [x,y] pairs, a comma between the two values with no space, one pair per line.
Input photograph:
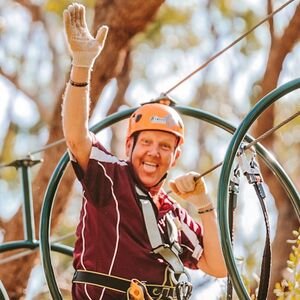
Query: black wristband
[205,211]
[78,84]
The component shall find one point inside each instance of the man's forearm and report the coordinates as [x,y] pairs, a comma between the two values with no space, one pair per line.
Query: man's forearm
[212,261]
[75,114]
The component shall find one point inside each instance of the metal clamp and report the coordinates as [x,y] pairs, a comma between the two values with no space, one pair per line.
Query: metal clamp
[183,285]
[248,164]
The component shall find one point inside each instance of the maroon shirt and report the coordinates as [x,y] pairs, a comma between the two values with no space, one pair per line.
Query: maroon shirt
[111,234]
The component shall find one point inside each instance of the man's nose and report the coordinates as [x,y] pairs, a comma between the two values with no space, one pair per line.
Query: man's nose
[154,151]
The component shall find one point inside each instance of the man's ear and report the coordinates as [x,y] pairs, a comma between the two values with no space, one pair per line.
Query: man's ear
[128,146]
[177,155]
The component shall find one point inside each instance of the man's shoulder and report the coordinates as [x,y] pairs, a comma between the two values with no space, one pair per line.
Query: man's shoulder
[101,154]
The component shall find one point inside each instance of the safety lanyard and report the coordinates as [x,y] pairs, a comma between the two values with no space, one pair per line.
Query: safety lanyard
[233,193]
[250,169]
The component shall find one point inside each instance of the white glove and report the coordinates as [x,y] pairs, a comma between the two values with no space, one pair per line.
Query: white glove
[191,189]
[83,47]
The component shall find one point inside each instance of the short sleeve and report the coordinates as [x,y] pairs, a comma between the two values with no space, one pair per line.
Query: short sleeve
[97,180]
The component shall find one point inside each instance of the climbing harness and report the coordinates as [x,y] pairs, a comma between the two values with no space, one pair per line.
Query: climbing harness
[168,251]
[180,282]
[124,285]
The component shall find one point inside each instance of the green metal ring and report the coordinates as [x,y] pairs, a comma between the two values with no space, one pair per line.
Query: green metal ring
[224,179]
[59,171]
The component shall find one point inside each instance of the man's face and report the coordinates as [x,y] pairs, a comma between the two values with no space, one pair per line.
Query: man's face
[153,155]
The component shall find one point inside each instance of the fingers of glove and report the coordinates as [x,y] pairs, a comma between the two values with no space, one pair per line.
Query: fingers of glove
[82,17]
[67,23]
[71,10]
[101,35]
[175,190]
[200,187]
[186,183]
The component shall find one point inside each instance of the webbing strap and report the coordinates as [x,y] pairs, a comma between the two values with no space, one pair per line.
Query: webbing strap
[251,170]
[233,193]
[168,253]
[151,224]
[267,256]
[120,284]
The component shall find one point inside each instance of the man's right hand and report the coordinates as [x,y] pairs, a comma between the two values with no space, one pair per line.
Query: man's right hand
[84,48]
[192,189]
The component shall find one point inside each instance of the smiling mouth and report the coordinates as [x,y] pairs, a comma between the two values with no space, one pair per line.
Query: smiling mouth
[150,167]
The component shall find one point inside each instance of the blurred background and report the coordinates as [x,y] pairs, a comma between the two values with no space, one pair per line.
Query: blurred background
[151,46]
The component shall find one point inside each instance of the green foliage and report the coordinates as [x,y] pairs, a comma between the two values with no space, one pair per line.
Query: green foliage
[57,6]
[289,288]
[167,16]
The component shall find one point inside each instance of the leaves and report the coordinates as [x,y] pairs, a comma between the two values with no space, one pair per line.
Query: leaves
[289,288]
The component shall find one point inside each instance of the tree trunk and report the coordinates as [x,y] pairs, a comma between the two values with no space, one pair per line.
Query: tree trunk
[124,21]
[278,52]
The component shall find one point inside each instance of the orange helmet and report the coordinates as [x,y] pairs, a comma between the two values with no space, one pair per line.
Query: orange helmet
[156,116]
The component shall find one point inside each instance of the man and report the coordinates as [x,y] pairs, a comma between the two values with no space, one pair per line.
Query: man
[133,240]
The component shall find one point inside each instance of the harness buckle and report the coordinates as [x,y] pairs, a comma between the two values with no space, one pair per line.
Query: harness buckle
[183,285]
[248,164]
[183,290]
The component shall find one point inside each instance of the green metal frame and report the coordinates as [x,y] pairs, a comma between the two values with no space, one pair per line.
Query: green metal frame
[272,164]
[29,242]
[231,152]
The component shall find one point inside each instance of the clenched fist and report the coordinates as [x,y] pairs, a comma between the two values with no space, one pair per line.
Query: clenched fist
[192,189]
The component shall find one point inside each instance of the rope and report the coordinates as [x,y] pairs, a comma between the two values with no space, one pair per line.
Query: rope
[228,47]
[47,146]
[191,74]
[28,252]
[188,76]
[30,154]
[257,140]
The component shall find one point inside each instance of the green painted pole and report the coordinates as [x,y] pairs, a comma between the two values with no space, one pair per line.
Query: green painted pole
[28,216]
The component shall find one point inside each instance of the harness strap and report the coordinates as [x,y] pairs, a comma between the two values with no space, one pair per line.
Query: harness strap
[169,253]
[252,172]
[233,193]
[119,284]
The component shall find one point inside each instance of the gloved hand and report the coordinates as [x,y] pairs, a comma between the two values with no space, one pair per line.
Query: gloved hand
[83,47]
[192,189]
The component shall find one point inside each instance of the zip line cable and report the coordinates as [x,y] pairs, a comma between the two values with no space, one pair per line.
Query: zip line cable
[257,140]
[212,58]
[227,47]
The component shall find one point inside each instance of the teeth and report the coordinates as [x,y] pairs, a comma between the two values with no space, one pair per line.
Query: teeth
[149,167]
[149,164]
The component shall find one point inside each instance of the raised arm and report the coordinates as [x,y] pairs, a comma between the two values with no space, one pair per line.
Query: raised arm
[84,49]
[195,192]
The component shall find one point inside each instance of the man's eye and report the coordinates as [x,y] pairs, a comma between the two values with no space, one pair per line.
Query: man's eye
[166,146]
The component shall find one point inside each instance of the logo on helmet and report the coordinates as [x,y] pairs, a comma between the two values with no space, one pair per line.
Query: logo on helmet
[168,120]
